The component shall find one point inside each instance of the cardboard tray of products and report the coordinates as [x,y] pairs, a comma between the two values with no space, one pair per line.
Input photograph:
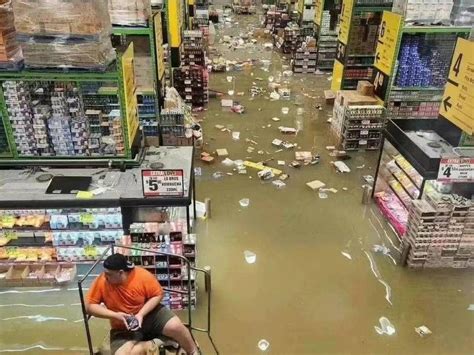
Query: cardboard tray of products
[36,275]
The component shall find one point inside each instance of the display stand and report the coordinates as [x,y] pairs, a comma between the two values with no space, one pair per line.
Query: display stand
[407,78]
[358,28]
[79,226]
[150,99]
[410,156]
[109,109]
[326,13]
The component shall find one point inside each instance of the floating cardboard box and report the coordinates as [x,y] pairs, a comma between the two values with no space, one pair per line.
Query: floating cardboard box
[222,152]
[315,185]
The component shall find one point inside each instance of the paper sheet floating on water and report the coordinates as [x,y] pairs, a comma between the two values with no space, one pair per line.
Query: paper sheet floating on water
[245,202]
[423,330]
[250,257]
[263,345]
[347,255]
[386,327]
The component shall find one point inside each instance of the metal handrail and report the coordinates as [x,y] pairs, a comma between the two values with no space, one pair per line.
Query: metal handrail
[206,273]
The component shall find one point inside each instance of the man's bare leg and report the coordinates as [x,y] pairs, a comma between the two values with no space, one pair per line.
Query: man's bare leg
[176,330]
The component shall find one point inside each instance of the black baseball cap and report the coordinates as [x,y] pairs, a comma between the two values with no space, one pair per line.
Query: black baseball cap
[118,261]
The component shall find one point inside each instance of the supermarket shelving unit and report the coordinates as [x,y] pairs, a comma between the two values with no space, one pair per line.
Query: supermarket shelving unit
[352,67]
[306,10]
[419,101]
[406,162]
[326,39]
[111,90]
[154,33]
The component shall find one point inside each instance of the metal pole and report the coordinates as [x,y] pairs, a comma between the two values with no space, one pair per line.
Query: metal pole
[86,319]
[194,193]
[188,223]
[207,203]
[207,279]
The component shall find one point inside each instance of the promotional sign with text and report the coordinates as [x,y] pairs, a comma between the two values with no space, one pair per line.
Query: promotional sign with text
[163,183]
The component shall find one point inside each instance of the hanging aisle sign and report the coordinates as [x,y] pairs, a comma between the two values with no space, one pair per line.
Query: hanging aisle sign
[318,11]
[457,105]
[342,39]
[163,183]
[385,52]
[345,22]
[456,170]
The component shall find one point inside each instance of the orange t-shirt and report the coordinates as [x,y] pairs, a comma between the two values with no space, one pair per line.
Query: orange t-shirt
[129,298]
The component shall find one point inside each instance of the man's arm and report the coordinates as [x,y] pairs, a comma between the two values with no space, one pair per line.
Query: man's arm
[100,311]
[150,305]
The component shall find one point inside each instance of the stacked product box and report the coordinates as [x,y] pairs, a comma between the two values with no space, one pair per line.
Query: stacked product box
[358,121]
[4,148]
[307,17]
[192,84]
[10,51]
[193,49]
[327,43]
[116,132]
[305,59]
[363,34]
[50,118]
[275,19]
[424,60]
[176,120]
[462,13]
[441,231]
[147,115]
[172,127]
[71,235]
[413,109]
[292,39]
[129,13]
[171,271]
[64,34]
[363,127]
[18,101]
[424,11]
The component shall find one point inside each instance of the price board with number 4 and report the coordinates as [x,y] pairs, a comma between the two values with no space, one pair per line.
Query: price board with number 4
[456,170]
[163,183]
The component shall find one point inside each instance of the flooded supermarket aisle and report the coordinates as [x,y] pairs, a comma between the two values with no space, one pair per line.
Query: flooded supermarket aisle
[295,269]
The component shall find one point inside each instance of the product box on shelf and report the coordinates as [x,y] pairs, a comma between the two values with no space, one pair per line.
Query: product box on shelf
[357,121]
[64,34]
[10,51]
[130,13]
[73,18]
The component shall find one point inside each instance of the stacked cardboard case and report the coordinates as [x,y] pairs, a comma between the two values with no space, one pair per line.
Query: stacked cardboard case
[65,34]
[130,13]
[10,52]
[358,121]
[441,231]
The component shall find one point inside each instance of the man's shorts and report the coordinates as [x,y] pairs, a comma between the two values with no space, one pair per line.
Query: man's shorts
[152,327]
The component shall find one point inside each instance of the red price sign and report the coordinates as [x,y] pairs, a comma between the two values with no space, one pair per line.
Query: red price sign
[456,170]
[163,183]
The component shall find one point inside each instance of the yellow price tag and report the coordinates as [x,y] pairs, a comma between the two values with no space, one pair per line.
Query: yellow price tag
[87,218]
[8,221]
[84,195]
